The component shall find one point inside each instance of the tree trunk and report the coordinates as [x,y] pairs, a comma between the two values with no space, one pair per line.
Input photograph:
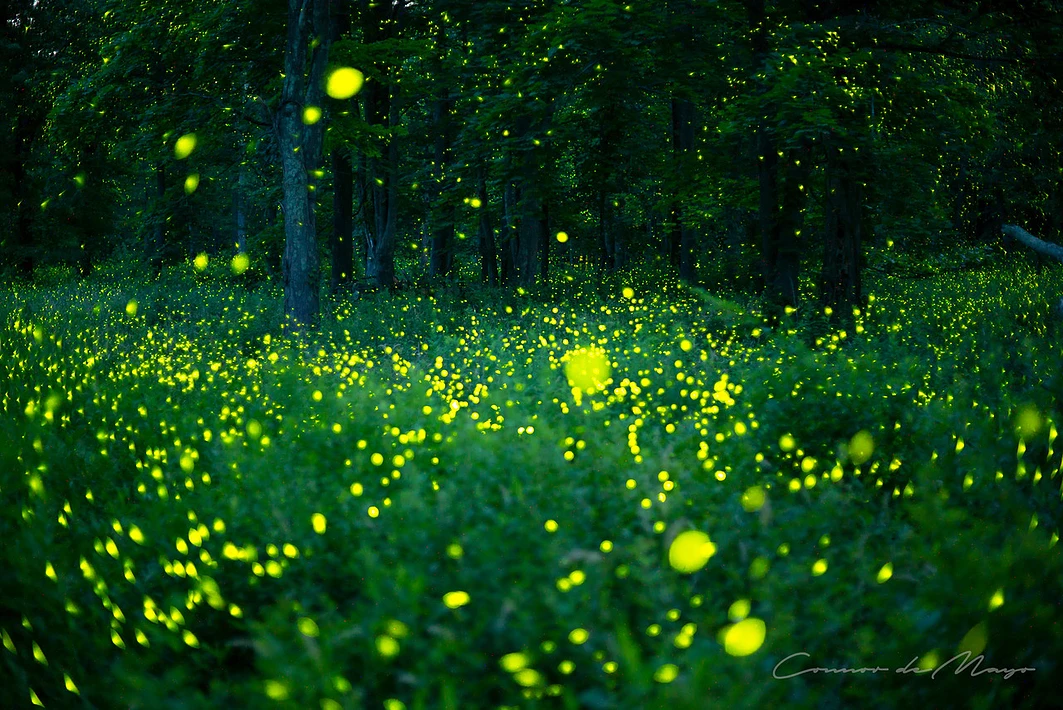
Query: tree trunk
[605,260]
[443,211]
[840,282]
[529,238]
[1049,249]
[783,289]
[683,144]
[509,235]
[157,242]
[23,219]
[300,148]
[240,215]
[488,258]
[382,22]
[544,244]
[342,219]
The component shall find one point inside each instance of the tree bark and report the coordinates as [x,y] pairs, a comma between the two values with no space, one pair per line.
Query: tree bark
[300,148]
[529,237]
[342,219]
[443,211]
[840,283]
[1049,249]
[683,144]
[509,236]
[783,289]
[23,218]
[488,255]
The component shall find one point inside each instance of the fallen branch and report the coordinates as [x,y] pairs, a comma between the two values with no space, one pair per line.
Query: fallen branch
[1039,245]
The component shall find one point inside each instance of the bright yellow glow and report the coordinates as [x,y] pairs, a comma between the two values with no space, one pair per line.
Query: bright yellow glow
[387,647]
[311,115]
[1028,422]
[861,446]
[587,369]
[191,183]
[453,600]
[343,83]
[200,262]
[184,146]
[745,637]
[562,237]
[690,551]
[240,263]
[996,600]
[528,677]
[513,662]
[753,499]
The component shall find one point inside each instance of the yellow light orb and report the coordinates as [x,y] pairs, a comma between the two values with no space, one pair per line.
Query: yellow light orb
[885,573]
[240,263]
[1028,422]
[343,83]
[184,146]
[191,183]
[745,637]
[562,237]
[311,115]
[587,369]
[200,262]
[666,673]
[861,446]
[690,551]
[513,662]
[453,600]
[753,499]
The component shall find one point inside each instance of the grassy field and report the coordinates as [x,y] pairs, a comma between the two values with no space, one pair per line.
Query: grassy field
[621,494]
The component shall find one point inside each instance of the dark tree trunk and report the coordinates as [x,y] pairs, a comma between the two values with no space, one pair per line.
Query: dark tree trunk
[840,282]
[240,215]
[530,236]
[783,289]
[342,219]
[443,210]
[156,246]
[509,235]
[380,261]
[544,244]
[488,258]
[300,148]
[23,218]
[382,172]
[341,244]
[683,144]
[605,260]
[767,165]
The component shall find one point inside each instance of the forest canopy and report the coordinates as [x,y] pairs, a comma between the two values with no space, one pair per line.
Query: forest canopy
[756,146]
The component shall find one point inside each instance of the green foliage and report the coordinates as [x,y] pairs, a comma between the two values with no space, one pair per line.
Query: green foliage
[302,553]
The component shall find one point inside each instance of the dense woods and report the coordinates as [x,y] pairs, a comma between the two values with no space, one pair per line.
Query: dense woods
[751,144]
[547,353]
